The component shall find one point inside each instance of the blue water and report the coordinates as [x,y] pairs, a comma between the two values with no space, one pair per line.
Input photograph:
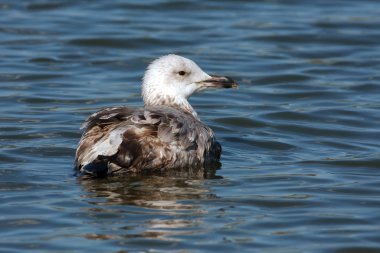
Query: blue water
[300,137]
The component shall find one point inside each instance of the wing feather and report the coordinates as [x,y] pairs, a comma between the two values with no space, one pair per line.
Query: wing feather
[147,138]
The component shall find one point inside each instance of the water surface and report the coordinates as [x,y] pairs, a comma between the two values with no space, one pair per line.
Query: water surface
[301,151]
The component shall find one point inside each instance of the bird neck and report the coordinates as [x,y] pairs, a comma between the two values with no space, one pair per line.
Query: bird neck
[179,103]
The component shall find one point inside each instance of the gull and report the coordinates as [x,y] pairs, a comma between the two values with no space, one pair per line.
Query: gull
[166,134]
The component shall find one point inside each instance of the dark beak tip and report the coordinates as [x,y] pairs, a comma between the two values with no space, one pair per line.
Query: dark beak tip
[222,82]
[231,83]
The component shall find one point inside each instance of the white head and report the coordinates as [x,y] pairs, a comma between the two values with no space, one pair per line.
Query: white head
[171,79]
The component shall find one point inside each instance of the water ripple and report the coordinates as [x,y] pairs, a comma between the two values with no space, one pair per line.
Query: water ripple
[300,159]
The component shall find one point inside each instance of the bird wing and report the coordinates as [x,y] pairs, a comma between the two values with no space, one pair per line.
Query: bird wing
[143,138]
[102,134]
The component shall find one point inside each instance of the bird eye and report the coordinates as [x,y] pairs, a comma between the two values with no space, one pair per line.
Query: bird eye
[181,73]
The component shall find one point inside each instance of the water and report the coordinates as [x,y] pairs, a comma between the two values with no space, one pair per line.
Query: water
[300,137]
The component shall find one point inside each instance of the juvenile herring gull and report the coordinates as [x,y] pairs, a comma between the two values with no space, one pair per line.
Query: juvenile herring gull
[166,134]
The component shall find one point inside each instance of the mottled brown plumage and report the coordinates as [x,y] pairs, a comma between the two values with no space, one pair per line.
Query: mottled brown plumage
[166,134]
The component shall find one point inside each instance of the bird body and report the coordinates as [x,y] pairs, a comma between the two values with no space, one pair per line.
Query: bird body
[166,134]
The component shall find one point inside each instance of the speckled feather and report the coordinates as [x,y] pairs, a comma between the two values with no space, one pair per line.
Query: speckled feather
[152,138]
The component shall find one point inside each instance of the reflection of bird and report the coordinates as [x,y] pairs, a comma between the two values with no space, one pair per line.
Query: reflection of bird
[166,134]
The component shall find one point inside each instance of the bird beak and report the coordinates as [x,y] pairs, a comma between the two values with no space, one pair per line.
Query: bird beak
[218,82]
